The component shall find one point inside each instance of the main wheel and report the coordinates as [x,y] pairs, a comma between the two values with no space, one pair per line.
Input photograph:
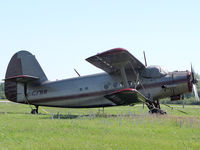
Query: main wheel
[34,111]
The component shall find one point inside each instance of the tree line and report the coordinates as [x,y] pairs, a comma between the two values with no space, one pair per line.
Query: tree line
[2,94]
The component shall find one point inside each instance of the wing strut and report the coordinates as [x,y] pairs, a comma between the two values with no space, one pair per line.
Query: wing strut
[123,74]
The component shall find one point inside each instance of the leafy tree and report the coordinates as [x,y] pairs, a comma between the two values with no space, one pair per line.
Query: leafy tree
[2,94]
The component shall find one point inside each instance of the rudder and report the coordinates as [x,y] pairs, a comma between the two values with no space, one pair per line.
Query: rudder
[23,63]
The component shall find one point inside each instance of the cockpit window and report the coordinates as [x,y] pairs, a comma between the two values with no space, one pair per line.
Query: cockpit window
[153,72]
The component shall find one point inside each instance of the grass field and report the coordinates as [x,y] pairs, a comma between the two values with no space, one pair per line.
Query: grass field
[118,128]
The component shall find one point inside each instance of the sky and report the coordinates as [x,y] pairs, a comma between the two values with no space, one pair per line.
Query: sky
[63,33]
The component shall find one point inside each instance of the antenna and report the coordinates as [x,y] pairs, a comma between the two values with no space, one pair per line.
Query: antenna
[145,58]
[77,72]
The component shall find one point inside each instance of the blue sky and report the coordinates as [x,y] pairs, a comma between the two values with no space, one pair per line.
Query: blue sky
[62,34]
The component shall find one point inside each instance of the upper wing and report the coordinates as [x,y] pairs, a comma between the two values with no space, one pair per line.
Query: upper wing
[111,60]
[126,97]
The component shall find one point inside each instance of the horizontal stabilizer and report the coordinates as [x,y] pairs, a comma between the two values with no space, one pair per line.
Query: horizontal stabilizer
[22,78]
[126,97]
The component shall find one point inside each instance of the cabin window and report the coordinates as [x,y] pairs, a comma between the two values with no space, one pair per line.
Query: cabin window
[115,84]
[130,83]
[121,84]
[106,86]
[86,88]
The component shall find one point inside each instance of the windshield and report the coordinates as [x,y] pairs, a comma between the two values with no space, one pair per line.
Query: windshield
[153,72]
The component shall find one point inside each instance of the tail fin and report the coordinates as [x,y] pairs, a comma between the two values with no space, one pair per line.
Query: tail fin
[23,67]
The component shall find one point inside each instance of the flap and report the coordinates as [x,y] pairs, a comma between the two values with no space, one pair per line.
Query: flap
[22,78]
[111,60]
[126,97]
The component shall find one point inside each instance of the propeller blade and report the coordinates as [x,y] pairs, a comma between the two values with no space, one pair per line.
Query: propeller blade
[193,79]
[194,83]
[192,74]
[195,92]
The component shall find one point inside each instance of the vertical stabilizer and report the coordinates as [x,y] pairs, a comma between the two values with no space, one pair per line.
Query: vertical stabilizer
[22,65]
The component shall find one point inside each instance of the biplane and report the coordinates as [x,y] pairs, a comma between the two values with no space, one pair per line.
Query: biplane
[125,81]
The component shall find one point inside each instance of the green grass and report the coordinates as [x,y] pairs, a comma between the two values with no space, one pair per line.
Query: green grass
[118,128]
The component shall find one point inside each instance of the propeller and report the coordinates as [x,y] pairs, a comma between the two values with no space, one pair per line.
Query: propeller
[194,82]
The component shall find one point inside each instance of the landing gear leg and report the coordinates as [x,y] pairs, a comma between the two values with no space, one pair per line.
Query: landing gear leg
[35,111]
[154,107]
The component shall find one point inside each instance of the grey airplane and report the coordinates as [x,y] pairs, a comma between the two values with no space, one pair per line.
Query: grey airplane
[126,81]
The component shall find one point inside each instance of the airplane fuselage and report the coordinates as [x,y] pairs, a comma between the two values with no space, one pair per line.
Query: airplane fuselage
[89,91]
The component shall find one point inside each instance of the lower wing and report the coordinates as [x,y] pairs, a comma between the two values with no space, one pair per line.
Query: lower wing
[126,97]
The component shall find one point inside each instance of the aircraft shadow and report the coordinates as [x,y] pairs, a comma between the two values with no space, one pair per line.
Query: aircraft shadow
[72,116]
[88,116]
[20,113]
